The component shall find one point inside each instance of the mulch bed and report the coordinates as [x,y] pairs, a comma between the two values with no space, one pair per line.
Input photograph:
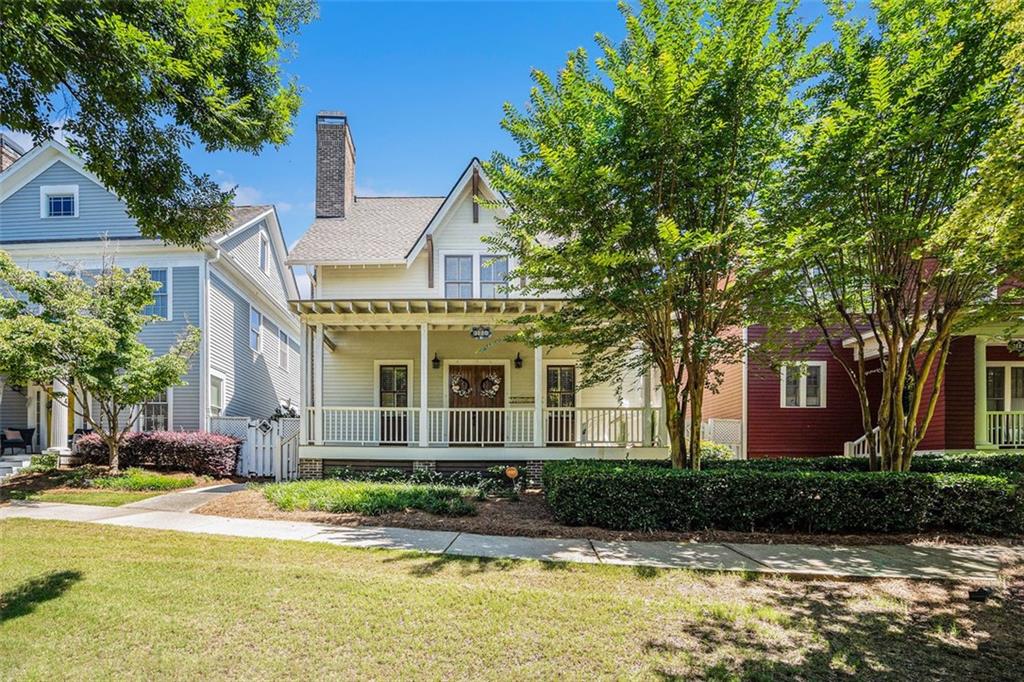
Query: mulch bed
[53,481]
[530,517]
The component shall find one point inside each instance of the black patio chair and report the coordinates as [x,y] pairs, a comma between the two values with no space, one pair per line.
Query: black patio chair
[13,443]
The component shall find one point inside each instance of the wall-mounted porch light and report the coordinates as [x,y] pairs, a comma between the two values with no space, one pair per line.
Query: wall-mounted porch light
[436,362]
[518,361]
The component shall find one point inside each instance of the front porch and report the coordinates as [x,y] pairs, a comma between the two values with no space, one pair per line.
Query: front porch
[438,380]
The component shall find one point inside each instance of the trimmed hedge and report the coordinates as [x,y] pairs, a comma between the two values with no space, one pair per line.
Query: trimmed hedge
[637,496]
[989,464]
[198,452]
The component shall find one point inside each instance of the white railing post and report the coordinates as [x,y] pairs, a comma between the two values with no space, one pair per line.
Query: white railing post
[318,385]
[981,430]
[304,384]
[424,435]
[648,435]
[538,397]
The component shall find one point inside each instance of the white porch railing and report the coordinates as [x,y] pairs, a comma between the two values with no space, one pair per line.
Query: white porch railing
[1006,429]
[508,426]
[860,446]
[369,425]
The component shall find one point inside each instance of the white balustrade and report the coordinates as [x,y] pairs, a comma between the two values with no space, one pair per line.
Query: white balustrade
[1006,429]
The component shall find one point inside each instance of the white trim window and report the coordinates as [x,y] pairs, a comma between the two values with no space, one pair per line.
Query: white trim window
[216,394]
[493,276]
[255,330]
[1004,387]
[264,252]
[156,413]
[58,201]
[458,276]
[161,305]
[282,353]
[803,384]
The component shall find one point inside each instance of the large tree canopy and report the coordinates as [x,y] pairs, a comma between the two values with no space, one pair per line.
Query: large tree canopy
[902,201]
[636,187]
[131,83]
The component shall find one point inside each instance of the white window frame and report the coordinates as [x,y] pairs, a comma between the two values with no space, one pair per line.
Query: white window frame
[165,290]
[215,375]
[264,254]
[504,286]
[282,352]
[1008,366]
[474,273]
[170,412]
[802,397]
[46,191]
[259,331]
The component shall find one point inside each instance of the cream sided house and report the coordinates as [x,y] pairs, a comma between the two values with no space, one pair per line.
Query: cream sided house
[404,361]
[56,216]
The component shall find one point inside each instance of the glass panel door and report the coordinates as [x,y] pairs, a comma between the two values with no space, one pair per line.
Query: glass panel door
[1017,389]
[995,389]
[394,393]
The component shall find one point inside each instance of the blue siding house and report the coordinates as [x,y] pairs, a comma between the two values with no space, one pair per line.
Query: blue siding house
[55,215]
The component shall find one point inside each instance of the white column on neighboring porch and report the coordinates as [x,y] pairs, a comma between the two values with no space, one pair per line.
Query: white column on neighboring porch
[424,375]
[980,398]
[59,417]
[648,434]
[318,385]
[304,384]
[538,397]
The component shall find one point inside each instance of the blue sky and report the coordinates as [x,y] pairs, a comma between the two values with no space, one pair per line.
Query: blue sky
[423,84]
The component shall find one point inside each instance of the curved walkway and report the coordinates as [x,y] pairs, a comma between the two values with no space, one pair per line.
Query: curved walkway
[975,564]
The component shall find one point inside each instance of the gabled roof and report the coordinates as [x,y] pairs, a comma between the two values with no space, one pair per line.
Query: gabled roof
[35,161]
[382,230]
[243,217]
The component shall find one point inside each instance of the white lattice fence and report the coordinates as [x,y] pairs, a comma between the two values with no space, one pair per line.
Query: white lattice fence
[269,447]
[728,432]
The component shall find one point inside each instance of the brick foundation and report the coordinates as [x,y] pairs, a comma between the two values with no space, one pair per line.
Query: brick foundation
[534,468]
[424,465]
[311,468]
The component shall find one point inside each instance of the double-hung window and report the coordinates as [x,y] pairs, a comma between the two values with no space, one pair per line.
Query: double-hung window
[803,384]
[160,305]
[493,276]
[282,358]
[216,395]
[458,276]
[156,413]
[264,259]
[255,329]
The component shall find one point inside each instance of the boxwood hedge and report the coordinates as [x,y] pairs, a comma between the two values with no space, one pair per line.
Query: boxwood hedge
[638,496]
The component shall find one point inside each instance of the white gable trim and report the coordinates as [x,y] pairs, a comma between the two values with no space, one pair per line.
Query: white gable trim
[37,160]
[450,202]
[273,230]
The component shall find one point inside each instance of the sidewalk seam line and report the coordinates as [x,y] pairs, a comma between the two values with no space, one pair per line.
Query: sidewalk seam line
[594,550]
[457,535]
[747,556]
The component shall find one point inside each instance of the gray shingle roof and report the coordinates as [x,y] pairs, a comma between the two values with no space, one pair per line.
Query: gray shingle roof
[240,215]
[376,229]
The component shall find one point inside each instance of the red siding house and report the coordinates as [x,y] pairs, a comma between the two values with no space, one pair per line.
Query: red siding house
[809,407]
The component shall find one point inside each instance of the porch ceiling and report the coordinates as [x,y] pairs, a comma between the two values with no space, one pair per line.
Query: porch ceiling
[402,313]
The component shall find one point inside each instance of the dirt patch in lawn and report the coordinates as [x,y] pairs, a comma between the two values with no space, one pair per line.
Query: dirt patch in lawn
[531,517]
[47,486]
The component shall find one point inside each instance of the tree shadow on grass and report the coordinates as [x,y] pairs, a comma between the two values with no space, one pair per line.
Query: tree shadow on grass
[23,599]
[425,566]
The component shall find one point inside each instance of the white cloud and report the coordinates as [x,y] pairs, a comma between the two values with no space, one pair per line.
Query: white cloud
[24,140]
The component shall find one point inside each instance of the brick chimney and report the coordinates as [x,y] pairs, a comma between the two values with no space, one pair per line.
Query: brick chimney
[335,165]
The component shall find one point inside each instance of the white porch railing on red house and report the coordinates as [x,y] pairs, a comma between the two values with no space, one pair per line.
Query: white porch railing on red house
[500,426]
[1005,429]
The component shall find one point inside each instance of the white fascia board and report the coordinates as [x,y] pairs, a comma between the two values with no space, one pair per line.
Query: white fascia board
[37,160]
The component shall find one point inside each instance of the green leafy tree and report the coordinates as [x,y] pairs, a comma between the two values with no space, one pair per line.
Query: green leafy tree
[635,191]
[131,83]
[899,200]
[85,334]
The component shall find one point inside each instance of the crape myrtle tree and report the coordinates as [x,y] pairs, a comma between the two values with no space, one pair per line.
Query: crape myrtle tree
[635,191]
[132,83]
[899,200]
[83,331]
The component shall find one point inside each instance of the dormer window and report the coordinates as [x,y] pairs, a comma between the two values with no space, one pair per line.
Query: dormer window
[58,201]
[263,253]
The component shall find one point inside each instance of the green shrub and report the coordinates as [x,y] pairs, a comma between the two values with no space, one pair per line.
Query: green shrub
[139,479]
[986,463]
[711,451]
[41,463]
[638,496]
[365,497]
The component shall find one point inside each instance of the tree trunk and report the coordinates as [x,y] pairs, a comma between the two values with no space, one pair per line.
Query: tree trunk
[675,421]
[112,448]
[696,409]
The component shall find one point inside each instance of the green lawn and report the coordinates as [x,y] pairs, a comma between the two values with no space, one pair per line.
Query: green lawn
[102,498]
[96,602]
[367,497]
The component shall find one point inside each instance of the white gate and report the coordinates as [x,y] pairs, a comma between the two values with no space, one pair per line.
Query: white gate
[269,447]
[728,432]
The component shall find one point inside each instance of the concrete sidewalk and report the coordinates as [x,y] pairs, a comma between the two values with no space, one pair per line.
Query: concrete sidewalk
[975,564]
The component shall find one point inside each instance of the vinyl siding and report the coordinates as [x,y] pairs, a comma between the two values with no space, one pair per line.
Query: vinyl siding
[254,383]
[161,335]
[727,402]
[99,211]
[13,409]
[245,248]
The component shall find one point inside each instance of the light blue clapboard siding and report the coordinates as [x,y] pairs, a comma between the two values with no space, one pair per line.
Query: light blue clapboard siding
[254,382]
[99,211]
[161,335]
[13,409]
[245,248]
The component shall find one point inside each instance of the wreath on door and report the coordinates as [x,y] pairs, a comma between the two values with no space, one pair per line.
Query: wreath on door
[460,386]
[489,385]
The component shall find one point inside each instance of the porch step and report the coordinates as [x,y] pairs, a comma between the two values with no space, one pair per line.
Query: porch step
[16,458]
[12,464]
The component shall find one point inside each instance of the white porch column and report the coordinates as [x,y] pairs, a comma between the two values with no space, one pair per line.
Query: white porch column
[538,397]
[318,385]
[424,375]
[646,387]
[304,383]
[59,418]
[980,399]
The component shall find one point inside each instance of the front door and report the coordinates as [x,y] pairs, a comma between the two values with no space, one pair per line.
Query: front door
[394,393]
[561,398]
[476,400]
